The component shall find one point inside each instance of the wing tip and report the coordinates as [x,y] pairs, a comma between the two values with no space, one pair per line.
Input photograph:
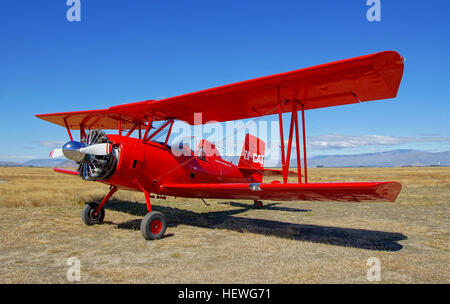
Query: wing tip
[388,191]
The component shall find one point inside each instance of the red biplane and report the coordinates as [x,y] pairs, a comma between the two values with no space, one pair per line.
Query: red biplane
[141,164]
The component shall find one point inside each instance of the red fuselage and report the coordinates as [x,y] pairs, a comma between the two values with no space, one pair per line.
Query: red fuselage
[151,164]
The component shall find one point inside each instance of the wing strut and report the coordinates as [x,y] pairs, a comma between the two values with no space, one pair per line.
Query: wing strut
[291,130]
[280,121]
[285,160]
[82,132]
[68,129]
[157,131]
[149,126]
[119,125]
[168,133]
[132,129]
[297,148]
[304,144]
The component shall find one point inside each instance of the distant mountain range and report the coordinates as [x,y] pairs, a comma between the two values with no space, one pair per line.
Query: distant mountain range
[395,158]
[61,163]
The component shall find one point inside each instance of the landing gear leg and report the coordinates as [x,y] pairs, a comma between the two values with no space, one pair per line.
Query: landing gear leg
[93,212]
[154,223]
[258,204]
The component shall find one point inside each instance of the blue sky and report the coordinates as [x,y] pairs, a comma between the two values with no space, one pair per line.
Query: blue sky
[127,51]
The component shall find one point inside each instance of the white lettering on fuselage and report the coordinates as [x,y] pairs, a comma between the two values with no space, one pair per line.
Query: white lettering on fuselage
[256,158]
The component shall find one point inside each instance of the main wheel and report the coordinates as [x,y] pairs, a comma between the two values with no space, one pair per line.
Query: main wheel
[90,217]
[258,204]
[153,225]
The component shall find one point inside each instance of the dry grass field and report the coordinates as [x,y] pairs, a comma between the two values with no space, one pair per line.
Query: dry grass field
[226,242]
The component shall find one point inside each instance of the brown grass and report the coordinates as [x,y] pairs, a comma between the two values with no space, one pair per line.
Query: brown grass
[227,242]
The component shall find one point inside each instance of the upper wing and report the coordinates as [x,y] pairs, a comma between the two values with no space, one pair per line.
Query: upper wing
[343,192]
[94,119]
[365,78]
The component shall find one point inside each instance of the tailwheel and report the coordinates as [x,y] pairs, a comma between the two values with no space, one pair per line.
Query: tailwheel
[258,204]
[90,217]
[153,225]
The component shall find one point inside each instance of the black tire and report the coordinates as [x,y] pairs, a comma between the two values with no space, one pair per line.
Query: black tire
[153,225]
[258,204]
[88,214]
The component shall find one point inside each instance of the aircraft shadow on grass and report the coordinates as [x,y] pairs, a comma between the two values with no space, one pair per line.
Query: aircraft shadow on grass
[347,237]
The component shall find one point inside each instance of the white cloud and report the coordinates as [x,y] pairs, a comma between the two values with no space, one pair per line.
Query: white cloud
[340,141]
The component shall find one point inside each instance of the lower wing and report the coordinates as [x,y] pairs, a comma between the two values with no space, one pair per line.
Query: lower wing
[342,192]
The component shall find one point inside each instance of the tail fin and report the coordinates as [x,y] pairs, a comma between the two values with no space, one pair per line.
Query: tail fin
[252,155]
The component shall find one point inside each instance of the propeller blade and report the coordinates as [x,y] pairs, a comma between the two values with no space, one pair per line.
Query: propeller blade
[97,149]
[56,153]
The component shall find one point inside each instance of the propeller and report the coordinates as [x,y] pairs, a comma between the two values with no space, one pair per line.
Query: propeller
[55,153]
[97,149]
[76,151]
